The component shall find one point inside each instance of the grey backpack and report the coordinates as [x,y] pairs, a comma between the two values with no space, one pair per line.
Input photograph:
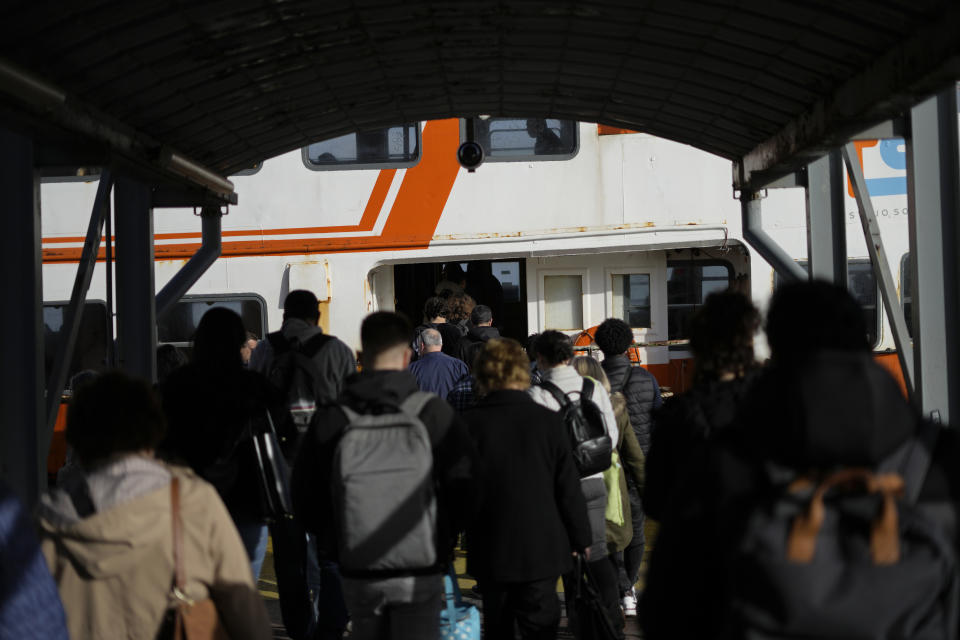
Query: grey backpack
[383,493]
[847,554]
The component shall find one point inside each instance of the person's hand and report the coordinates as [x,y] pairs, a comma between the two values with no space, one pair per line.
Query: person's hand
[585,553]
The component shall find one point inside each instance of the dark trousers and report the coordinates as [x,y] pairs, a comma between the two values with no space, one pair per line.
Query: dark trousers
[533,607]
[605,581]
[633,554]
[311,593]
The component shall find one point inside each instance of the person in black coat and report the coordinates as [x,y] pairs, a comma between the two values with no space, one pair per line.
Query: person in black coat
[209,404]
[533,516]
[685,556]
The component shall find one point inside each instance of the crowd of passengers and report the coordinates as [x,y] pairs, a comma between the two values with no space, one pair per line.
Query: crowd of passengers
[488,462]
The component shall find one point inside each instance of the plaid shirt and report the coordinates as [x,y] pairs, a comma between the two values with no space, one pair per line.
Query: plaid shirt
[461,397]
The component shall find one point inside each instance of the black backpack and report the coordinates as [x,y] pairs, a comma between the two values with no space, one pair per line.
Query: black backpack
[295,374]
[846,553]
[590,442]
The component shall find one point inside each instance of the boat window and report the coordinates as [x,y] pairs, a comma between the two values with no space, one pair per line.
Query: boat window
[631,298]
[689,282]
[395,147]
[90,351]
[516,139]
[863,287]
[180,323]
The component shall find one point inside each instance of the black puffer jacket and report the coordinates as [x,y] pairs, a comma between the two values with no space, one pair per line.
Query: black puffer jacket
[642,393]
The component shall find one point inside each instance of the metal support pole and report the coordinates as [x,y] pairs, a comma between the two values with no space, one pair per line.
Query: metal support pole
[136,300]
[108,269]
[766,246]
[205,256]
[21,324]
[826,228]
[74,311]
[881,267]
[933,174]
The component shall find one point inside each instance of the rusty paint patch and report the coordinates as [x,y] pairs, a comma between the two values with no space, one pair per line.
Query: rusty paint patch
[537,233]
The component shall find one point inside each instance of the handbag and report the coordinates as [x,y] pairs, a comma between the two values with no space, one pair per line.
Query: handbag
[611,479]
[592,620]
[193,619]
[272,468]
[458,621]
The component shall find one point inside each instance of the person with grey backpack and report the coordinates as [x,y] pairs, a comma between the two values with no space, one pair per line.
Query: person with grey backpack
[385,480]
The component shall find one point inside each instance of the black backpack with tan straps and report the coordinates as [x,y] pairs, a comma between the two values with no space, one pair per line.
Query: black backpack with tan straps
[846,553]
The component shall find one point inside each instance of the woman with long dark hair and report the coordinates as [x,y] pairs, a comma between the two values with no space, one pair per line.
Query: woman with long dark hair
[209,404]
[683,565]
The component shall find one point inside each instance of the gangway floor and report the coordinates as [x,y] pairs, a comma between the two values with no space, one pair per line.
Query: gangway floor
[267,585]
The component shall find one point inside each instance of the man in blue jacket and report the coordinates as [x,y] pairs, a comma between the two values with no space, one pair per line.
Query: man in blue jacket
[435,371]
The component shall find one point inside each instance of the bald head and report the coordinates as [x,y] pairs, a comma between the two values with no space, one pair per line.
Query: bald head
[430,341]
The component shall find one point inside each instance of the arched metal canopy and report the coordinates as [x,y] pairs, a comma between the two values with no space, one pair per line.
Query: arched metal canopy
[166,95]
[765,83]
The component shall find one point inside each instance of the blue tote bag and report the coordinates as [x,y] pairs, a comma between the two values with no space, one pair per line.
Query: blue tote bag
[458,621]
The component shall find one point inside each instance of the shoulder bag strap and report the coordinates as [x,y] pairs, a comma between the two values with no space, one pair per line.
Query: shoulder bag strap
[586,392]
[179,582]
[556,392]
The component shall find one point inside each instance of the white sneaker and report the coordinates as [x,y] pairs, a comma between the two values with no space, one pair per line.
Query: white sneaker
[630,603]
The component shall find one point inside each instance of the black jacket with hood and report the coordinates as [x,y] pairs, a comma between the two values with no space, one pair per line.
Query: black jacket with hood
[379,392]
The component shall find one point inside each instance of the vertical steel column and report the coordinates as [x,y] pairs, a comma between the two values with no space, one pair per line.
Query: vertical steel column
[880,264]
[933,173]
[136,308]
[21,323]
[826,227]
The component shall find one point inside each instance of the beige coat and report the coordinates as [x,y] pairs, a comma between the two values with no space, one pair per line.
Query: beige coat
[114,568]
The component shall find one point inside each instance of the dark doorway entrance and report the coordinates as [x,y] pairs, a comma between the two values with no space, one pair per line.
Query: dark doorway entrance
[414,283]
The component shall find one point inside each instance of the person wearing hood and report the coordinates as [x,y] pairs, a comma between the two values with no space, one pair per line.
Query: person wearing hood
[482,330]
[397,604]
[107,532]
[334,360]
